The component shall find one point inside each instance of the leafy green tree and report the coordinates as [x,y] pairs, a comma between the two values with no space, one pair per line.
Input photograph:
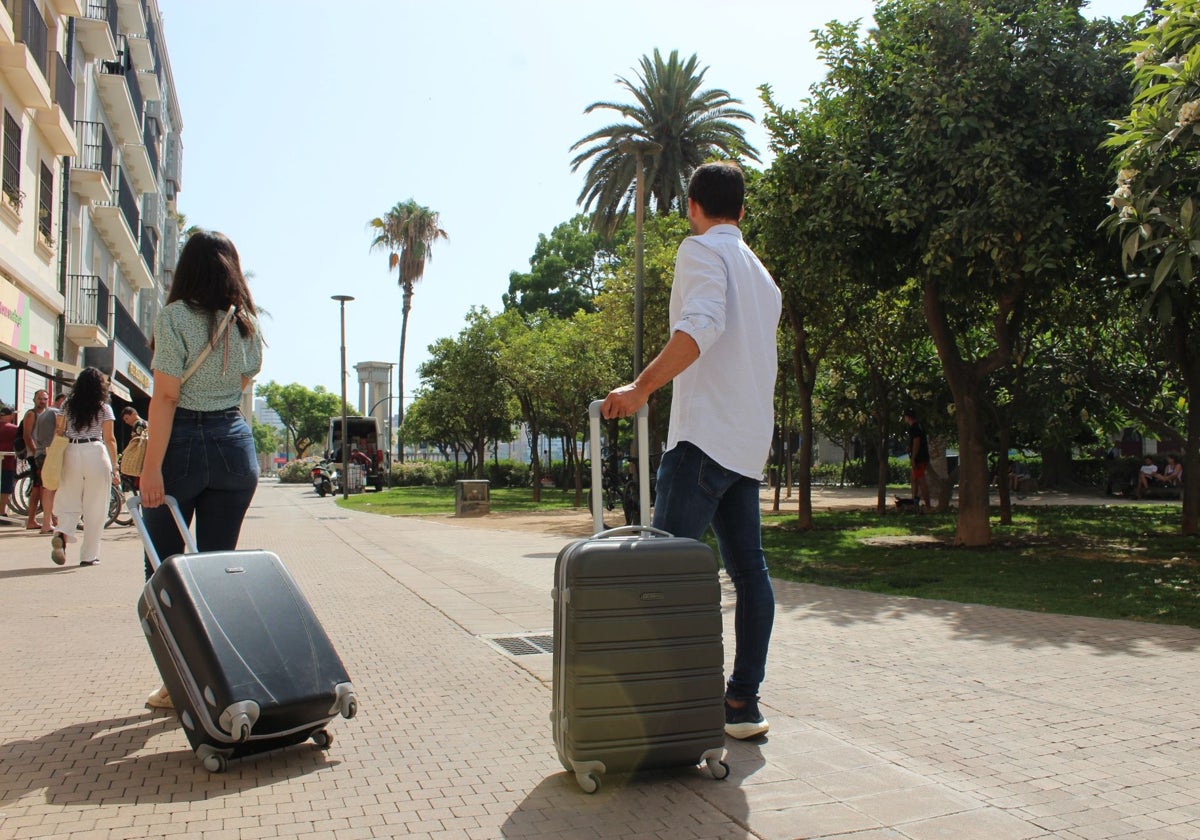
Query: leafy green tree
[1157,208]
[579,353]
[304,412]
[266,438]
[669,108]
[984,118]
[567,270]
[462,379]
[407,233]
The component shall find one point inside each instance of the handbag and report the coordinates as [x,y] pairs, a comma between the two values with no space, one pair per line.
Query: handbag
[52,466]
[134,455]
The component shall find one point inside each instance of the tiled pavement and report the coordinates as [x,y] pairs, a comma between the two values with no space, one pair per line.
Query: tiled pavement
[891,718]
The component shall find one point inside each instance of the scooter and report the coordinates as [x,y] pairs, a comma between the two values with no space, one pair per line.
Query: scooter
[325,479]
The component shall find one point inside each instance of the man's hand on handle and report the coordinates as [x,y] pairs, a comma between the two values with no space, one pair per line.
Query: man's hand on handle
[623,401]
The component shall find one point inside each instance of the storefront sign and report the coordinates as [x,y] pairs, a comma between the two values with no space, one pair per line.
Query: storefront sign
[14,316]
[135,373]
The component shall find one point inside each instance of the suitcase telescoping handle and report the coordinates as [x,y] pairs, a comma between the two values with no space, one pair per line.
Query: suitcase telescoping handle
[134,504]
[642,436]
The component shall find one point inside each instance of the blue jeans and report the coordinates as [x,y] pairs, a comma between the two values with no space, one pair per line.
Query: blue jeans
[694,492]
[212,471]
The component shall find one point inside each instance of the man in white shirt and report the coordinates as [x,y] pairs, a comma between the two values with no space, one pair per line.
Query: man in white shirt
[722,357]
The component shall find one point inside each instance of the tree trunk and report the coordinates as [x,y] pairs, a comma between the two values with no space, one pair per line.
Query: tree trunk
[974,529]
[1057,467]
[805,368]
[881,473]
[1191,447]
[941,477]
[535,459]
[405,309]
[1002,475]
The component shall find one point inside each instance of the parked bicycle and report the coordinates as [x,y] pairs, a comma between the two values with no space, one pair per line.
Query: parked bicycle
[118,514]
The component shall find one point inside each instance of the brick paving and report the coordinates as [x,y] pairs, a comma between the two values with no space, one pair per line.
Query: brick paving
[892,719]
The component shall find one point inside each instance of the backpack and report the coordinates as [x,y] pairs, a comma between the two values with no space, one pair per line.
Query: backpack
[19,448]
[134,455]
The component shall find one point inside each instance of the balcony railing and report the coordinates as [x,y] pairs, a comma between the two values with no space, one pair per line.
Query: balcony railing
[106,11]
[135,90]
[150,141]
[64,87]
[128,204]
[95,149]
[31,31]
[87,301]
[149,249]
[131,336]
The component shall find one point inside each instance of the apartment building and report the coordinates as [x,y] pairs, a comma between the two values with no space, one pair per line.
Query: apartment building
[91,161]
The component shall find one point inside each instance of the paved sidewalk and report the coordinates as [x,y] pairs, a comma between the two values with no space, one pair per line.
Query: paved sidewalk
[891,718]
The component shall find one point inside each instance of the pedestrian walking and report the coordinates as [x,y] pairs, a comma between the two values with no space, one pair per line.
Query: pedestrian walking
[43,434]
[41,399]
[918,454]
[207,348]
[8,464]
[88,468]
[722,358]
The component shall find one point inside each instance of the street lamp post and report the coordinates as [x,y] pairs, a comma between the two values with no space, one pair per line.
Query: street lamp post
[638,148]
[341,299]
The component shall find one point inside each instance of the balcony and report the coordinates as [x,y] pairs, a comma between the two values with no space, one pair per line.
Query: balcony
[87,317]
[131,337]
[7,35]
[122,98]
[154,212]
[96,29]
[117,223]
[136,160]
[92,168]
[149,249]
[148,82]
[130,17]
[141,51]
[173,162]
[57,122]
[70,8]
[24,62]
[169,255]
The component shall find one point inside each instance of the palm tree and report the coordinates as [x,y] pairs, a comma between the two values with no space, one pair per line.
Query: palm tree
[406,232]
[671,110]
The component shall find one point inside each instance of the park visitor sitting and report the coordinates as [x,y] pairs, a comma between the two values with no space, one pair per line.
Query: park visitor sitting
[1172,474]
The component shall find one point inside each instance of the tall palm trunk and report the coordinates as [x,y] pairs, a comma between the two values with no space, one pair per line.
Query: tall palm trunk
[406,308]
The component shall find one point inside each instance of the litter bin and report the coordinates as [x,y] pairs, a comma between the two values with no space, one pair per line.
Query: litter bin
[358,479]
[472,497]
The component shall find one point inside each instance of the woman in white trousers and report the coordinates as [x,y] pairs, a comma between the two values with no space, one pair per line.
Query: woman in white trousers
[88,470]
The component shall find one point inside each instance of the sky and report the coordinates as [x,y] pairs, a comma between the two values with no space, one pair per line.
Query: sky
[304,119]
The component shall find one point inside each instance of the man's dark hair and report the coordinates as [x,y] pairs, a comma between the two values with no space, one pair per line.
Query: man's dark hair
[6,410]
[910,412]
[719,189]
[127,410]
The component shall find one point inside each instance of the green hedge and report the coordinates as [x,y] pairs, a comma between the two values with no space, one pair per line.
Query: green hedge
[298,471]
[443,474]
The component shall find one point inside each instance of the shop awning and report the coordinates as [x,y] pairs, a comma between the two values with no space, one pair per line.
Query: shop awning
[118,390]
[53,368]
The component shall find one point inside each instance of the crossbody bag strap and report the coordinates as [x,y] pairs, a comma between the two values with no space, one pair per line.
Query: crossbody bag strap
[208,348]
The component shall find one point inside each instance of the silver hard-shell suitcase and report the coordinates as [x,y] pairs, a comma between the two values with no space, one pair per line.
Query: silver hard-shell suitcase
[246,661]
[638,659]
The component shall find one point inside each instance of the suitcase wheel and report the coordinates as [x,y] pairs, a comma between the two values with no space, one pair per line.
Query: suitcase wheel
[588,782]
[323,739]
[718,768]
[215,763]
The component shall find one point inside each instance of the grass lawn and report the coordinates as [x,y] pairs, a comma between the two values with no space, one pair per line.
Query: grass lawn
[1119,561]
[1107,561]
[427,501]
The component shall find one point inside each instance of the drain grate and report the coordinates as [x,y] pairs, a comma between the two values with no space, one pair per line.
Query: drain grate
[523,645]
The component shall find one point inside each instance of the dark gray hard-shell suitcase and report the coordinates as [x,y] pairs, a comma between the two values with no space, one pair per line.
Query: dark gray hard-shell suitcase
[638,677]
[246,661]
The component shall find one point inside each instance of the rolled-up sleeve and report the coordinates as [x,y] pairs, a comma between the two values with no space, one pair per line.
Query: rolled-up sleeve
[700,282]
[169,349]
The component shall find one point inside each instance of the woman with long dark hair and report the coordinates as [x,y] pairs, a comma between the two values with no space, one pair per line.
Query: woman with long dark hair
[207,348]
[88,470]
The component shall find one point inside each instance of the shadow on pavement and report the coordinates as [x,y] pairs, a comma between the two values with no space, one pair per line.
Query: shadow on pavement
[1016,628]
[96,763]
[685,802]
[35,571]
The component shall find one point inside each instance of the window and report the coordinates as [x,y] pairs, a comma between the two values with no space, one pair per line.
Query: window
[45,199]
[10,177]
